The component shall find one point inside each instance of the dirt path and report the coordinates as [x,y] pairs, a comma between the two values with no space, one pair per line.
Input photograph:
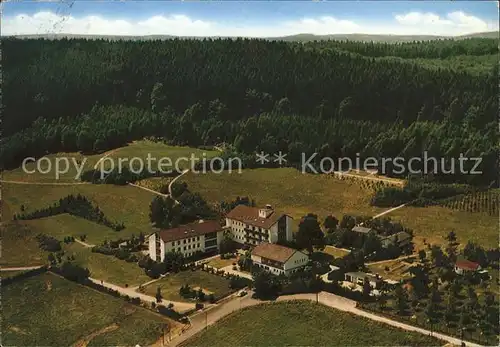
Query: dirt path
[45,183]
[180,307]
[85,341]
[390,210]
[85,244]
[173,181]
[107,154]
[205,318]
[149,190]
[22,268]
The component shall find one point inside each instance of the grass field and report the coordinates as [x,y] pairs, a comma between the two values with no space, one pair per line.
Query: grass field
[8,274]
[47,310]
[171,284]
[126,204]
[288,190]
[19,246]
[137,149]
[63,225]
[434,223]
[336,252]
[107,268]
[220,263]
[299,323]
[157,150]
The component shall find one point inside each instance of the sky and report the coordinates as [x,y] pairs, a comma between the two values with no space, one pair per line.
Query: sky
[248,18]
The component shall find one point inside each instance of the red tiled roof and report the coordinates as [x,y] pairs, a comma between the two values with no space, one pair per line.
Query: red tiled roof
[189,230]
[467,265]
[274,252]
[250,215]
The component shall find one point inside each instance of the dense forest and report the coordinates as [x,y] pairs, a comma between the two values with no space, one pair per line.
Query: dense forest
[333,98]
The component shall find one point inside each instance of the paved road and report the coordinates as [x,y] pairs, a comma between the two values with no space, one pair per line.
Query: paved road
[180,307]
[21,268]
[175,179]
[205,318]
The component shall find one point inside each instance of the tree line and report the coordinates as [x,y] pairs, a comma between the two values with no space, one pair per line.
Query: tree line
[78,205]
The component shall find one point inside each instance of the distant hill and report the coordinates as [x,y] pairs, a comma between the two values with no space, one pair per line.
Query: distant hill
[296,38]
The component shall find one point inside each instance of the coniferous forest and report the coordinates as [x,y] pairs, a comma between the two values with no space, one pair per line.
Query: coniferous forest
[336,98]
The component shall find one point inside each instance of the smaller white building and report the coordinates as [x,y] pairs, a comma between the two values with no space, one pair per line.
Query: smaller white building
[465,266]
[202,236]
[278,259]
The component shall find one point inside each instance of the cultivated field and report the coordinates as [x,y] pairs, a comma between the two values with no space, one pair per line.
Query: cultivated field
[171,284]
[47,310]
[299,323]
[287,190]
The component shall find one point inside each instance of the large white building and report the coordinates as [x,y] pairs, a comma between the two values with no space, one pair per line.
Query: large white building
[277,259]
[253,225]
[202,236]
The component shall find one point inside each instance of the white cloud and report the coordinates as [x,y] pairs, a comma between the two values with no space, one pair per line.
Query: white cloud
[413,23]
[455,23]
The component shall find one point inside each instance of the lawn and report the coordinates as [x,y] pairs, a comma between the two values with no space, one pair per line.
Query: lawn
[398,269]
[126,204]
[335,252]
[19,246]
[171,284]
[220,263]
[107,267]
[63,225]
[300,323]
[434,223]
[287,190]
[47,310]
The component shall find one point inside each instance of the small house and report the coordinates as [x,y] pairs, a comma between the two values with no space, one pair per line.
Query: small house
[465,266]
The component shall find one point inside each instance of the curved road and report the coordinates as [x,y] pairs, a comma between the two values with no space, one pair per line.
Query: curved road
[208,317]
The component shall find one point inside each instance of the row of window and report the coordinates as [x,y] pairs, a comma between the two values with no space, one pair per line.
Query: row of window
[186,248]
[192,239]
[251,227]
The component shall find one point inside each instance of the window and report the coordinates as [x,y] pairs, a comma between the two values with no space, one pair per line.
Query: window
[184,248]
[198,245]
[184,241]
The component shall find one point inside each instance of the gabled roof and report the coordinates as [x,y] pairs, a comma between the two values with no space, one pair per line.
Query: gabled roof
[250,215]
[467,265]
[190,230]
[362,230]
[274,252]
